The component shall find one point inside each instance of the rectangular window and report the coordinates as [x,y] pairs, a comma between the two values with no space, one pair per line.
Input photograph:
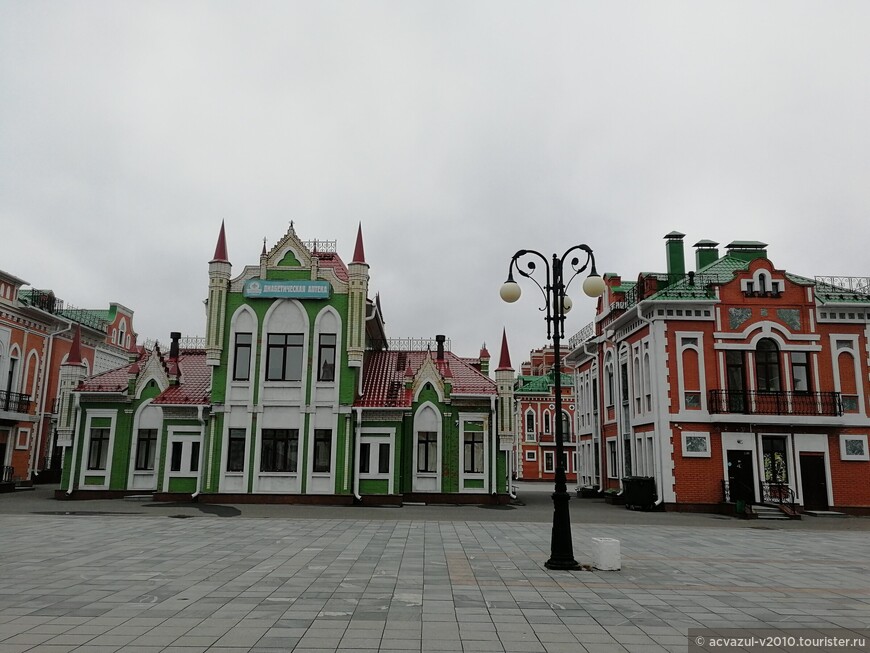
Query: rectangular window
[278,451]
[473,453]
[194,456]
[775,459]
[612,460]
[284,356]
[326,357]
[531,455]
[365,453]
[427,451]
[98,451]
[800,371]
[548,461]
[146,447]
[374,458]
[175,458]
[322,450]
[384,458]
[236,451]
[242,357]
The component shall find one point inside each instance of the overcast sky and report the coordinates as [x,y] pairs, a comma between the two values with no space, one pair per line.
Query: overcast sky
[455,132]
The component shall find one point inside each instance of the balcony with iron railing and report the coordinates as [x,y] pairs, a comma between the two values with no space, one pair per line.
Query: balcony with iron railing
[47,302]
[678,286]
[776,403]
[16,402]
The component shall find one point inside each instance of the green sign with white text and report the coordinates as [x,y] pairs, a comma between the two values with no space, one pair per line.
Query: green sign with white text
[256,288]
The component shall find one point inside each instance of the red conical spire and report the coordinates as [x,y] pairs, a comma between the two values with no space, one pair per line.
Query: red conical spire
[359,255]
[75,350]
[220,252]
[504,361]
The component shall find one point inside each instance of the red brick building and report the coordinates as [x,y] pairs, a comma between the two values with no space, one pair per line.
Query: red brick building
[36,334]
[738,382]
[534,398]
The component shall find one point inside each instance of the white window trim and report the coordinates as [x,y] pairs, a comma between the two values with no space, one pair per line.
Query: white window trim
[25,443]
[551,455]
[475,476]
[83,469]
[845,456]
[185,435]
[375,435]
[438,434]
[685,435]
[612,473]
[531,455]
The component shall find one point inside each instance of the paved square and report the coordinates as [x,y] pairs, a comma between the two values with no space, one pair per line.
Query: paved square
[142,583]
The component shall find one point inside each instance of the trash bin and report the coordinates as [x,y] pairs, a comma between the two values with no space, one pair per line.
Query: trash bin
[639,492]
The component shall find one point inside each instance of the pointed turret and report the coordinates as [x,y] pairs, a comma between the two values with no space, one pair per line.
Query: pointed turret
[75,350]
[219,273]
[72,372]
[504,378]
[504,360]
[359,254]
[220,250]
[357,295]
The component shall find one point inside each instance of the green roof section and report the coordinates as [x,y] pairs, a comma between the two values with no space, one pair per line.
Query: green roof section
[542,384]
[698,285]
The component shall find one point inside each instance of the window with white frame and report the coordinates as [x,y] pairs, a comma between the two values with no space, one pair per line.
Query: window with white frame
[530,425]
[612,459]
[531,455]
[473,452]
[853,447]
[549,464]
[98,448]
[374,457]
[696,444]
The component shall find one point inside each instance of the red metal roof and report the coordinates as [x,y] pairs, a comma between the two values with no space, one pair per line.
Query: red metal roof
[195,382]
[193,387]
[384,377]
[333,261]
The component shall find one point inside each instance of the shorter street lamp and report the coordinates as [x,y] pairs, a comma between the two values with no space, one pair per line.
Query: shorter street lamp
[556,304]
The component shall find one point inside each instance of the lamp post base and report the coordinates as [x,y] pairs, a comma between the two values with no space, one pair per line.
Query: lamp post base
[561,546]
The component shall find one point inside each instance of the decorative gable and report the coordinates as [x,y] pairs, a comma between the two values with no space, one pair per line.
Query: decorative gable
[289,252]
[429,373]
[153,368]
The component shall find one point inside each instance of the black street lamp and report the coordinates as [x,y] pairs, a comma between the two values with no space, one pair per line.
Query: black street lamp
[556,304]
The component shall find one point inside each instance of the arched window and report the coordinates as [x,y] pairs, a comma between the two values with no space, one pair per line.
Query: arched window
[767,365]
[530,425]
[546,421]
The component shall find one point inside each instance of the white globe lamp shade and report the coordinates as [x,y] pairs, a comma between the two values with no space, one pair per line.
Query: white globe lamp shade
[594,285]
[510,291]
[567,304]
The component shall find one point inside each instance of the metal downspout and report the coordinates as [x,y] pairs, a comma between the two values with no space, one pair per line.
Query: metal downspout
[493,435]
[203,465]
[356,437]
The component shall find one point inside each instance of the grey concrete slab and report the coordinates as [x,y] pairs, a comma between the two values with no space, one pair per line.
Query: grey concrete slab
[344,581]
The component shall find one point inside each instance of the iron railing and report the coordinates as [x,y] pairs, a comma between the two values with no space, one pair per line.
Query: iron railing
[778,493]
[584,334]
[832,288]
[775,403]
[407,344]
[15,402]
[695,285]
[47,302]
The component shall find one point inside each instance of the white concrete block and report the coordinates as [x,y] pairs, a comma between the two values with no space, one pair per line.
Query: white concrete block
[605,554]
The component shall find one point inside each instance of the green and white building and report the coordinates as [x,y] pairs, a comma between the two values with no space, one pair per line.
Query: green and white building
[296,394]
